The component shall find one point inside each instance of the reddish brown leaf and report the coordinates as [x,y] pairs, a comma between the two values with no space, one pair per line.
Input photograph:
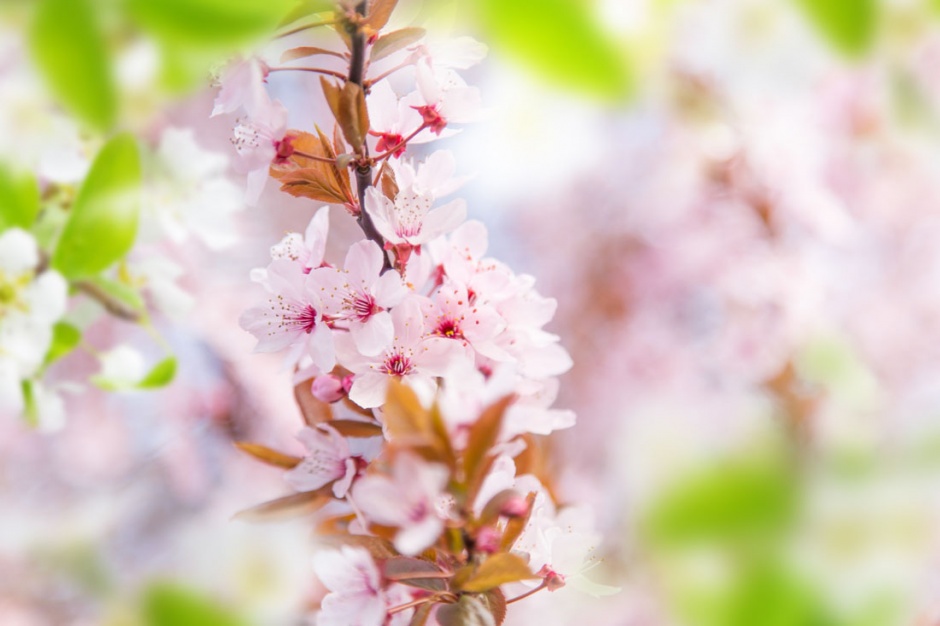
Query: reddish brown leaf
[495,601]
[313,411]
[331,92]
[353,115]
[379,548]
[302,52]
[481,439]
[516,525]
[294,505]
[499,569]
[379,12]
[269,456]
[341,174]
[392,42]
[389,184]
[357,428]
[414,572]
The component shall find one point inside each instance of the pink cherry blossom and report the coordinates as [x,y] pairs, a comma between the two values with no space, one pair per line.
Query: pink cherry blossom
[410,356]
[361,295]
[453,314]
[242,86]
[292,318]
[329,459]
[261,140]
[409,221]
[394,119]
[444,98]
[308,249]
[355,584]
[407,499]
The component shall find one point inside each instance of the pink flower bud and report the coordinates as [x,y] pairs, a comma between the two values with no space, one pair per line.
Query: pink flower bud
[488,539]
[553,580]
[515,507]
[328,388]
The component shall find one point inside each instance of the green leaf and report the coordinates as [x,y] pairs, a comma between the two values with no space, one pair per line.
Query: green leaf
[306,8]
[19,199]
[103,222]
[848,25]
[208,23]
[170,604]
[30,410]
[64,339]
[161,375]
[70,51]
[560,41]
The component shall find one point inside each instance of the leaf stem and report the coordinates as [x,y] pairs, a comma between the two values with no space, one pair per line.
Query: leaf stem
[314,157]
[315,70]
[527,593]
[409,605]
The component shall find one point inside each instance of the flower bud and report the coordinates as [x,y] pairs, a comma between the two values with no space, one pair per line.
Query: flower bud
[515,507]
[488,539]
[328,388]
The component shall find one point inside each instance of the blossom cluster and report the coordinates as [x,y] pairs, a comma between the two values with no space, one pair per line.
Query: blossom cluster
[422,366]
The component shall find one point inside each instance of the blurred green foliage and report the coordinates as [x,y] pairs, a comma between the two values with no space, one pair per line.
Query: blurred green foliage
[19,199]
[558,40]
[736,500]
[70,49]
[848,25]
[102,223]
[170,604]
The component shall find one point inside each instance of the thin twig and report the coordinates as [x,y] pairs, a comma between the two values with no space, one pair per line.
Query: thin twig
[112,305]
[527,593]
[313,157]
[315,70]
[401,143]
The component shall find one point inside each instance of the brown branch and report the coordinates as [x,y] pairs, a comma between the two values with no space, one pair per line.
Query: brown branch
[315,70]
[110,303]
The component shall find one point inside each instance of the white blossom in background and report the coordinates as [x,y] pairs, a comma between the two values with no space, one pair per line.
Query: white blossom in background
[30,304]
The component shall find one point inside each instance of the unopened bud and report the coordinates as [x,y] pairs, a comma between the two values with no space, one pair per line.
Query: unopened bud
[515,507]
[552,579]
[488,540]
[328,388]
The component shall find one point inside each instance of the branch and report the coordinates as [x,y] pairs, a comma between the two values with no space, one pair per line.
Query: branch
[112,305]
[357,66]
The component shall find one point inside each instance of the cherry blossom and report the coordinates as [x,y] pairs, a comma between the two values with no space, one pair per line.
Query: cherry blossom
[329,459]
[242,87]
[410,356]
[361,295]
[407,500]
[356,596]
[292,317]
[444,98]
[261,140]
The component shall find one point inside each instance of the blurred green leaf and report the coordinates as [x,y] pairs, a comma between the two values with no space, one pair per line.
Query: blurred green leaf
[306,8]
[103,221]
[70,50]
[848,25]
[64,339]
[560,41]
[735,500]
[19,199]
[769,595]
[208,23]
[30,410]
[169,604]
[161,375]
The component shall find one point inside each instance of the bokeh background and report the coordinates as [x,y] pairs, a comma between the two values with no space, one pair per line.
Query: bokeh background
[736,204]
